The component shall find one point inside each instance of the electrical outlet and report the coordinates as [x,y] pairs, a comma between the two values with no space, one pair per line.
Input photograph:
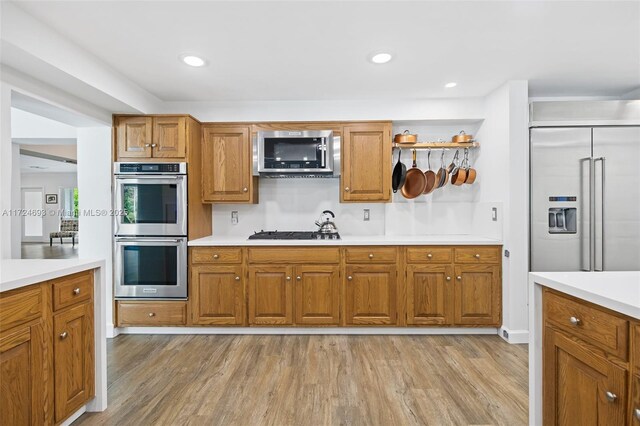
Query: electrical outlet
[234,217]
[494,214]
[367,215]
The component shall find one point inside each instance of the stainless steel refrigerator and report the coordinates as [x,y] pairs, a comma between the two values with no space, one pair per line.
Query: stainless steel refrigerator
[585,198]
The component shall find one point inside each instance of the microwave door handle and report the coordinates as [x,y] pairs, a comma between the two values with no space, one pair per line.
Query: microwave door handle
[323,156]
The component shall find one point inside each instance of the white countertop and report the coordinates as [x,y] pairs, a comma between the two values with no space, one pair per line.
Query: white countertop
[380,240]
[15,273]
[615,290]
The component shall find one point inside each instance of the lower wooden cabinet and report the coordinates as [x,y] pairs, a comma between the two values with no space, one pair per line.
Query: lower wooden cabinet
[477,295]
[317,294]
[23,362]
[151,313]
[217,295]
[270,295]
[371,295]
[73,360]
[429,295]
[635,398]
[580,387]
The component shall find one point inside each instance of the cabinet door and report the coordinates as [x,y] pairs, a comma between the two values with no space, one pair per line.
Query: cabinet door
[635,400]
[477,295]
[366,163]
[73,362]
[371,294]
[318,295]
[134,137]
[579,387]
[169,137]
[217,295]
[429,295]
[22,365]
[226,164]
[270,295]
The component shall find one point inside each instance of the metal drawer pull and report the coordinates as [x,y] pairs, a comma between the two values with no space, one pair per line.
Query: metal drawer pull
[237,278]
[153,145]
[349,277]
[76,290]
[611,397]
[429,255]
[636,413]
[215,256]
[346,189]
[370,255]
[245,189]
[288,278]
[477,256]
[64,335]
[298,278]
[459,278]
[147,145]
[448,278]
[575,321]
[152,314]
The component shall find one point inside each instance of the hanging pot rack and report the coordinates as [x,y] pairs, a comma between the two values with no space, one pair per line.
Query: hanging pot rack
[437,145]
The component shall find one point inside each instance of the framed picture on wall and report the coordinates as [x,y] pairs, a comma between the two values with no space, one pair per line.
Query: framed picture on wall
[51,198]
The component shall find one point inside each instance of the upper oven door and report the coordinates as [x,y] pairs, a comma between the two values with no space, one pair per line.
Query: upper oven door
[295,151]
[151,205]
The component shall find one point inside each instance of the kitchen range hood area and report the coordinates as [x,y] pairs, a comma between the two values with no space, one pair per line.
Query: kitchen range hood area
[320,213]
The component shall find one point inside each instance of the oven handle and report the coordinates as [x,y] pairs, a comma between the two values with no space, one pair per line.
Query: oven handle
[176,240]
[149,176]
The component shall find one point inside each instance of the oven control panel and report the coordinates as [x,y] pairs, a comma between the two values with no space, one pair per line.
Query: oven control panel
[150,168]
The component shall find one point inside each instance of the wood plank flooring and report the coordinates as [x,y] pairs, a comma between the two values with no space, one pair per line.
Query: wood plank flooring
[314,380]
[43,251]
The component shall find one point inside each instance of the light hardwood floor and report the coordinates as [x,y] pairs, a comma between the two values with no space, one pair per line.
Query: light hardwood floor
[44,251]
[314,380]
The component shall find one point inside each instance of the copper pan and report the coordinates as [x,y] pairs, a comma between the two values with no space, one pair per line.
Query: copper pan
[443,173]
[430,175]
[405,137]
[415,181]
[471,172]
[462,137]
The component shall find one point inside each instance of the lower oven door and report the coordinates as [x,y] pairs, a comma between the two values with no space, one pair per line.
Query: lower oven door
[150,267]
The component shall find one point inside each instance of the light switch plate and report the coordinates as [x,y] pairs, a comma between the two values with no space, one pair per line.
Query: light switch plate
[234,217]
[494,214]
[367,215]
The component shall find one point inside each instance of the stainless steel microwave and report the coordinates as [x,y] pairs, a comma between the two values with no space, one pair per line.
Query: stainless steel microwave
[297,153]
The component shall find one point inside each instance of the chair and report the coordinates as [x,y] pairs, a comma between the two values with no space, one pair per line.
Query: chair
[68,229]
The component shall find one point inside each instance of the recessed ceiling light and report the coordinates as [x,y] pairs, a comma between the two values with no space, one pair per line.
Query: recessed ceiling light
[450,85]
[193,60]
[380,57]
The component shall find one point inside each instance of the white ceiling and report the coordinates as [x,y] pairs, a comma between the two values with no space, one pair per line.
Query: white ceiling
[317,50]
[29,164]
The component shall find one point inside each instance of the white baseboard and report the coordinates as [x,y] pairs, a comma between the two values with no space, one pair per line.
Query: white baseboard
[112,331]
[301,330]
[516,337]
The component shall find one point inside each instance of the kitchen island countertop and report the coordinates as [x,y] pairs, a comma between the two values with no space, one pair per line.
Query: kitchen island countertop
[16,273]
[351,240]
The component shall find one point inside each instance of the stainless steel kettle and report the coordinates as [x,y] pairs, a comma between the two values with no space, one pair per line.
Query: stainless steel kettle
[326,224]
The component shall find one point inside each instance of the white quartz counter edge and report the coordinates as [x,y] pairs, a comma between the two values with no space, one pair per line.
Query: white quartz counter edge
[381,240]
[615,290]
[16,273]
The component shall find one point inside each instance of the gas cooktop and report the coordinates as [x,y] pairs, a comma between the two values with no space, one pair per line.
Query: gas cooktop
[293,235]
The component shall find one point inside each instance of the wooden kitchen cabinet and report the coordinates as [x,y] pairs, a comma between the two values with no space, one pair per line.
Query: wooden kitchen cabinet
[317,294]
[169,137]
[270,295]
[477,295]
[133,136]
[140,137]
[217,295]
[429,295]
[73,359]
[634,414]
[370,294]
[366,163]
[152,313]
[227,165]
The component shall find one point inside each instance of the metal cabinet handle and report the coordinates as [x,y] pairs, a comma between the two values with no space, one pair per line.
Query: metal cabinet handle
[349,278]
[429,255]
[76,290]
[298,278]
[370,255]
[346,189]
[237,278]
[636,413]
[288,278]
[459,278]
[153,145]
[147,145]
[152,314]
[448,278]
[611,397]
[245,189]
[575,321]
[64,335]
[215,256]
[477,256]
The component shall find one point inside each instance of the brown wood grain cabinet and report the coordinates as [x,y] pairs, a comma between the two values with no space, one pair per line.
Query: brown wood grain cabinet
[371,294]
[227,165]
[429,295]
[317,294]
[217,295]
[47,350]
[139,137]
[270,295]
[366,162]
[634,406]
[133,136]
[142,313]
[477,293]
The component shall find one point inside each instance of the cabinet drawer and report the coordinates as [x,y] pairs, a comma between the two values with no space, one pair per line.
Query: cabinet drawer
[370,255]
[605,330]
[152,313]
[72,289]
[20,306]
[477,255]
[429,255]
[216,255]
[293,255]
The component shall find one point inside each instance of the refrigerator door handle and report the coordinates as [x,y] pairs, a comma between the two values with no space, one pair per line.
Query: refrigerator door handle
[601,257]
[589,208]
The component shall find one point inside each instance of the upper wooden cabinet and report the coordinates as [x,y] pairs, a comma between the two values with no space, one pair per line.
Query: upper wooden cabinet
[366,162]
[133,137]
[151,137]
[169,137]
[227,165]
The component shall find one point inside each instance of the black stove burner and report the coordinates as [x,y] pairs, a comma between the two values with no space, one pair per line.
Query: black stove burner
[292,235]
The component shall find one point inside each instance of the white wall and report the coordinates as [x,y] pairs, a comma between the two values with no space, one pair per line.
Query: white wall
[27,125]
[51,183]
[6,161]
[94,190]
[16,202]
